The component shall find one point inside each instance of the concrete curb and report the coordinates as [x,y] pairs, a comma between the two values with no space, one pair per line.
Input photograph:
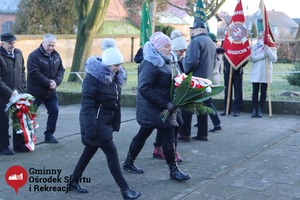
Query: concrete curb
[278,107]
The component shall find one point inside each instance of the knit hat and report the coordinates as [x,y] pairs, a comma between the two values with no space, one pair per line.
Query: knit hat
[178,41]
[159,39]
[111,54]
[212,36]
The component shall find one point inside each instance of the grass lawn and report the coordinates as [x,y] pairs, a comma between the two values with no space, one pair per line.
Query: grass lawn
[118,28]
[278,87]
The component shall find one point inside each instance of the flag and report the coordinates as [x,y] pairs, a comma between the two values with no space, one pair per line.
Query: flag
[200,12]
[146,28]
[236,43]
[263,24]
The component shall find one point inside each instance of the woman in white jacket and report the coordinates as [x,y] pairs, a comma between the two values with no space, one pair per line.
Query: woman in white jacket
[260,74]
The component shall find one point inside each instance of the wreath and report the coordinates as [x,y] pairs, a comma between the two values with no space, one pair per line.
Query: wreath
[23,113]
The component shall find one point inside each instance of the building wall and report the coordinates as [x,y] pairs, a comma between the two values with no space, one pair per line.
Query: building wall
[116,10]
[127,45]
[284,33]
[4,18]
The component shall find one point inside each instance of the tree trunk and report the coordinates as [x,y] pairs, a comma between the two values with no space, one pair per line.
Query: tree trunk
[81,52]
[91,14]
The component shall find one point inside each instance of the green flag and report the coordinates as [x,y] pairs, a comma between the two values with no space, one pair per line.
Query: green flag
[146,28]
[200,12]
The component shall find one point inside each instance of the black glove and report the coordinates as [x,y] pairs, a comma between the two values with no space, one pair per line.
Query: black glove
[170,106]
[220,50]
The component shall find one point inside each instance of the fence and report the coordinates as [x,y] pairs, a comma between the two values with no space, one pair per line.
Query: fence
[280,88]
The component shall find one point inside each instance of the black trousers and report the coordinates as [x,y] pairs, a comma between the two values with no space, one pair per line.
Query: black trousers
[213,116]
[237,86]
[166,136]
[18,139]
[51,105]
[202,123]
[167,143]
[158,139]
[110,151]
[176,131]
[256,87]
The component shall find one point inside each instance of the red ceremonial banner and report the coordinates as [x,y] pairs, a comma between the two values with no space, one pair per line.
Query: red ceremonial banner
[236,41]
[268,36]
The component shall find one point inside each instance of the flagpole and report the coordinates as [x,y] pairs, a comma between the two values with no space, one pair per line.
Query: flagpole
[229,90]
[269,87]
[270,42]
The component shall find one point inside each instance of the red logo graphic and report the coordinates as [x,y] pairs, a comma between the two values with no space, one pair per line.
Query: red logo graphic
[16,177]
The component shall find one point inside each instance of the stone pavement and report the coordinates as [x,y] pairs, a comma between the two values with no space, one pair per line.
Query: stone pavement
[249,159]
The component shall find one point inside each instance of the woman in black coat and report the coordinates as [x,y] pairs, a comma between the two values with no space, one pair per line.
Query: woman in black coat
[100,115]
[155,77]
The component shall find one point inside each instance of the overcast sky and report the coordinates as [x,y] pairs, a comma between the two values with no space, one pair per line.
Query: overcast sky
[287,6]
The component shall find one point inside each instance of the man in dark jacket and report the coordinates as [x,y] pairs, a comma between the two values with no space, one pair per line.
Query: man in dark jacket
[45,73]
[200,60]
[12,82]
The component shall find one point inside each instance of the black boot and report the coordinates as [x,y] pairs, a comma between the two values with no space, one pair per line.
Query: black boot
[254,112]
[130,194]
[128,165]
[74,185]
[259,112]
[134,150]
[175,173]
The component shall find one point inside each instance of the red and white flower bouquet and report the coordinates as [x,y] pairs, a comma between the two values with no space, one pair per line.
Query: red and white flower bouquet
[189,93]
[23,114]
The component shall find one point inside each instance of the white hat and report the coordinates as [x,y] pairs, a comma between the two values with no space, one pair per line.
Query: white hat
[111,54]
[178,41]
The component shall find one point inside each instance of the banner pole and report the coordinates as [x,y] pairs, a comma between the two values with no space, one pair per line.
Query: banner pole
[269,88]
[229,89]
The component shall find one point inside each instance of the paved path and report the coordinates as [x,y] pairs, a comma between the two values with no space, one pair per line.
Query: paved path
[249,159]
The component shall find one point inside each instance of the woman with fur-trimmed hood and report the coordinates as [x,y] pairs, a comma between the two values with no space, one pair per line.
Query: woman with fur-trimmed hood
[155,76]
[100,114]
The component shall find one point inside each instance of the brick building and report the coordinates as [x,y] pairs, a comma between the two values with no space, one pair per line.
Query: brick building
[8,9]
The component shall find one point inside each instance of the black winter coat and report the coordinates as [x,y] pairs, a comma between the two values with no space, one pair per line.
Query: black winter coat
[100,112]
[41,68]
[12,74]
[138,58]
[156,74]
[235,72]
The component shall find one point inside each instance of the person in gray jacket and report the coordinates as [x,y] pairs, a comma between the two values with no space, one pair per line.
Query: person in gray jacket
[200,60]
[261,74]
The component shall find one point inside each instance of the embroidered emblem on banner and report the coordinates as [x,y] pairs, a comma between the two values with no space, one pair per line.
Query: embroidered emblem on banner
[237,33]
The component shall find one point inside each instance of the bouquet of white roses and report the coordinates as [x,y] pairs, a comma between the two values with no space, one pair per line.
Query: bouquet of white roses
[23,114]
[189,93]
